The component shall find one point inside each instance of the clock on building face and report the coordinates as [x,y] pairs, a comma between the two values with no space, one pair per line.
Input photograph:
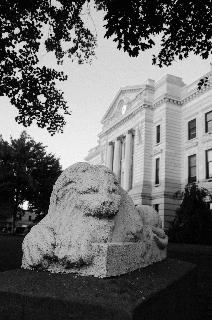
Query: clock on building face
[123,109]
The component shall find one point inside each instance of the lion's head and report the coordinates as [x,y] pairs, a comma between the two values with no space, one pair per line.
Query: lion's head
[92,189]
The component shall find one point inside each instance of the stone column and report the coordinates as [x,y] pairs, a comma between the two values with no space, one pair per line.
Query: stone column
[117,158]
[128,160]
[110,151]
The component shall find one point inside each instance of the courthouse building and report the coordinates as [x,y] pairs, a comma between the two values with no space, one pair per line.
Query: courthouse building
[156,138]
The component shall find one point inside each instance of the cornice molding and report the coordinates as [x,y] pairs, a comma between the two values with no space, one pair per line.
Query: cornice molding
[166,99]
[146,104]
[192,95]
[123,120]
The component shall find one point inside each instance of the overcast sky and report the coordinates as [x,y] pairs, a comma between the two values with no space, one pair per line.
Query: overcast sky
[89,91]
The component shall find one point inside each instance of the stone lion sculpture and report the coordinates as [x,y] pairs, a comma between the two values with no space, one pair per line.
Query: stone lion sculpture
[93,227]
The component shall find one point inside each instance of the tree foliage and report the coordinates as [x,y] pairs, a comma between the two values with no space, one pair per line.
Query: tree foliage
[193,221]
[184,27]
[31,87]
[27,173]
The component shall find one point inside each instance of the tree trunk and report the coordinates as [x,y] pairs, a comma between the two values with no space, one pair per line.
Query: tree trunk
[15,208]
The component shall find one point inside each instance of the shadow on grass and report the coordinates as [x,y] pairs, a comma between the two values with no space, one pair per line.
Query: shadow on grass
[10,252]
[201,256]
[11,255]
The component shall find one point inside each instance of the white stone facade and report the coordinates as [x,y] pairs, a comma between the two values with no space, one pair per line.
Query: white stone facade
[158,136]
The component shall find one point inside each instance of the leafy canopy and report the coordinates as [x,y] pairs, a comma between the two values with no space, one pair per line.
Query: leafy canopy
[31,87]
[184,27]
[27,173]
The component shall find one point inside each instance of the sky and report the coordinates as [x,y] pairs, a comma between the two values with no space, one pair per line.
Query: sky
[89,91]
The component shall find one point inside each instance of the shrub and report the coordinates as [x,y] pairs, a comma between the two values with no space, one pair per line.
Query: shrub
[193,220]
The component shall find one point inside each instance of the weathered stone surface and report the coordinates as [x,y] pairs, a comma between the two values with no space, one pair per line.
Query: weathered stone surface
[92,223]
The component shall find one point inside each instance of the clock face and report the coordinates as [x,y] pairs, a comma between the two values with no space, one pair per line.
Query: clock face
[124,107]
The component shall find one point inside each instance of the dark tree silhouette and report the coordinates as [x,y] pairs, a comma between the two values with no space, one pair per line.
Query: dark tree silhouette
[31,87]
[27,173]
[184,27]
[193,222]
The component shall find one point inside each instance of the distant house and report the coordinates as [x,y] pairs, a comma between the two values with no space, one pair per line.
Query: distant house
[157,137]
[26,218]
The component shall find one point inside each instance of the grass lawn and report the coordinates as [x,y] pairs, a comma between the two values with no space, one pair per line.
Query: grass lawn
[202,257]
[10,252]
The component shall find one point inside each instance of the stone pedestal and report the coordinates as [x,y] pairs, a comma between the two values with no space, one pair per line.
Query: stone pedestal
[114,259]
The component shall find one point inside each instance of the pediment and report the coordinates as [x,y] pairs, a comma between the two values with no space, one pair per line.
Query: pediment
[122,102]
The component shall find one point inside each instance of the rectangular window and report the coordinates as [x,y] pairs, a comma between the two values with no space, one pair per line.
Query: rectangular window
[158,134]
[156,207]
[192,129]
[208,121]
[208,164]
[157,169]
[192,168]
